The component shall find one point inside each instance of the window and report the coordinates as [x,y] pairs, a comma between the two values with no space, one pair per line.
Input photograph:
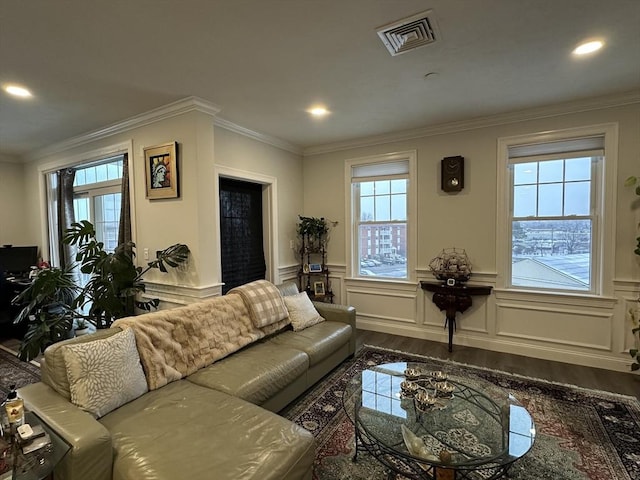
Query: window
[555,215]
[96,198]
[381,196]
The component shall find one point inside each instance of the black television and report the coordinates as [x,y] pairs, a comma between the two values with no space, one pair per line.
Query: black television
[18,260]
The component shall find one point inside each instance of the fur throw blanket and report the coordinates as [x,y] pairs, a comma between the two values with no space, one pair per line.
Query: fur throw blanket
[177,342]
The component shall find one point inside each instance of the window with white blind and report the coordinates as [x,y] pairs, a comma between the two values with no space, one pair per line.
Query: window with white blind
[381,195]
[555,209]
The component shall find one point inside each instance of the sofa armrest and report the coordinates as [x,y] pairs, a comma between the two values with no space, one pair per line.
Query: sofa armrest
[91,454]
[340,313]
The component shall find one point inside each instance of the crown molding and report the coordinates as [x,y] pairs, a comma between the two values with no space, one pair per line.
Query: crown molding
[260,137]
[180,107]
[566,108]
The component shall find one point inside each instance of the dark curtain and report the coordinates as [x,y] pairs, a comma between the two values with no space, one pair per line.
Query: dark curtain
[66,216]
[241,233]
[124,228]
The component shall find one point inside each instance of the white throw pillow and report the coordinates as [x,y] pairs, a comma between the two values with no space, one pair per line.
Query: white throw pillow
[105,374]
[302,313]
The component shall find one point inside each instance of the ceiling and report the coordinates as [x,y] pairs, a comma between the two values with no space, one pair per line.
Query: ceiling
[91,64]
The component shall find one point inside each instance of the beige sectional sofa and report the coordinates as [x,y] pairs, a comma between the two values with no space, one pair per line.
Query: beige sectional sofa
[214,374]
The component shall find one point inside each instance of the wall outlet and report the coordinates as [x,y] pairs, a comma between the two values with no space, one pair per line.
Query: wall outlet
[145,253]
[291,246]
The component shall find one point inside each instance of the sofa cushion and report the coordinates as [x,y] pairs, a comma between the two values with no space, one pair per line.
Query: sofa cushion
[53,366]
[288,288]
[104,374]
[255,373]
[318,341]
[264,301]
[302,313]
[185,431]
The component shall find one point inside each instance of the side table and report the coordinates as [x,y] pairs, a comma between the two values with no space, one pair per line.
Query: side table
[39,464]
[452,299]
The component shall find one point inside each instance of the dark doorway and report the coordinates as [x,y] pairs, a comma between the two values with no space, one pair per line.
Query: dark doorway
[241,240]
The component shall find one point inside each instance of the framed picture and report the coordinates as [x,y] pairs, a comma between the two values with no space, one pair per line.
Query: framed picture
[315,268]
[161,171]
[318,288]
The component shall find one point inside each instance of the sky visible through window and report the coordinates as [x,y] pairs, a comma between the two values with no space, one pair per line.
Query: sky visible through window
[382,230]
[552,225]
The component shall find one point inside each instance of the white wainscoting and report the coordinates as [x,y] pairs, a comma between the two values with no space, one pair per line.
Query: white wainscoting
[178,295]
[566,326]
[576,329]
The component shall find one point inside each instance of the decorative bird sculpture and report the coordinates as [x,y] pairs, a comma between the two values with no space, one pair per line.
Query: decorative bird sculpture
[416,446]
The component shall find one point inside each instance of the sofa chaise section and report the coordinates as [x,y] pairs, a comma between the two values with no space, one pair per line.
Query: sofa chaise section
[187,431]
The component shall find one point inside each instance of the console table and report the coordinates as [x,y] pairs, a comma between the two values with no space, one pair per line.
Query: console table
[452,299]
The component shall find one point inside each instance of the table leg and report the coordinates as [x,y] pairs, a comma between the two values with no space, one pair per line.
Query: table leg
[451,320]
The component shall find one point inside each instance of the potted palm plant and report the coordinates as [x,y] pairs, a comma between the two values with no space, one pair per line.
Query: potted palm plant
[54,301]
[81,327]
[115,281]
[47,307]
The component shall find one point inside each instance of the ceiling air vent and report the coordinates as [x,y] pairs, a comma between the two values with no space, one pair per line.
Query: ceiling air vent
[409,33]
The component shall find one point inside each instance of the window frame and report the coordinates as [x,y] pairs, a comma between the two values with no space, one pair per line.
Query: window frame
[98,189]
[603,240]
[84,159]
[353,210]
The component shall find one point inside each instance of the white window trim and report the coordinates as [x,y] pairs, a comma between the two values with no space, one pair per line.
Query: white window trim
[66,160]
[607,200]
[412,202]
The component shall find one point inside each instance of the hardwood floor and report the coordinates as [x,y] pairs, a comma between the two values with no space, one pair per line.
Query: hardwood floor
[600,379]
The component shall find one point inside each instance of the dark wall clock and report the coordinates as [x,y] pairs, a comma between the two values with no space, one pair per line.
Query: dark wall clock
[452,174]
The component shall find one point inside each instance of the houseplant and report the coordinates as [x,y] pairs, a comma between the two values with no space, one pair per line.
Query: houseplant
[312,226]
[634,313]
[81,327]
[312,232]
[54,300]
[116,281]
[47,306]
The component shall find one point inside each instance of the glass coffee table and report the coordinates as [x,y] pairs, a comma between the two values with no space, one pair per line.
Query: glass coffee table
[39,464]
[425,424]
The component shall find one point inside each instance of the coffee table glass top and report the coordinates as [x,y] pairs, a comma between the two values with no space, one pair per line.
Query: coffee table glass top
[438,419]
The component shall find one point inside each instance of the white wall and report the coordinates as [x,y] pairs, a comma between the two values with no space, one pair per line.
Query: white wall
[13,227]
[191,218]
[577,330]
[246,155]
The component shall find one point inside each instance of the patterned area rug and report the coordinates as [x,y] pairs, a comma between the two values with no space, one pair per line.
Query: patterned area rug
[14,371]
[581,434]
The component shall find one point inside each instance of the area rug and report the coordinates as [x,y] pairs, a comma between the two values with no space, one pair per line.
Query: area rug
[582,434]
[14,371]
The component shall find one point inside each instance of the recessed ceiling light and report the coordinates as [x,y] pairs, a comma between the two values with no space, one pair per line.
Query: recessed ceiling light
[588,47]
[318,111]
[17,91]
